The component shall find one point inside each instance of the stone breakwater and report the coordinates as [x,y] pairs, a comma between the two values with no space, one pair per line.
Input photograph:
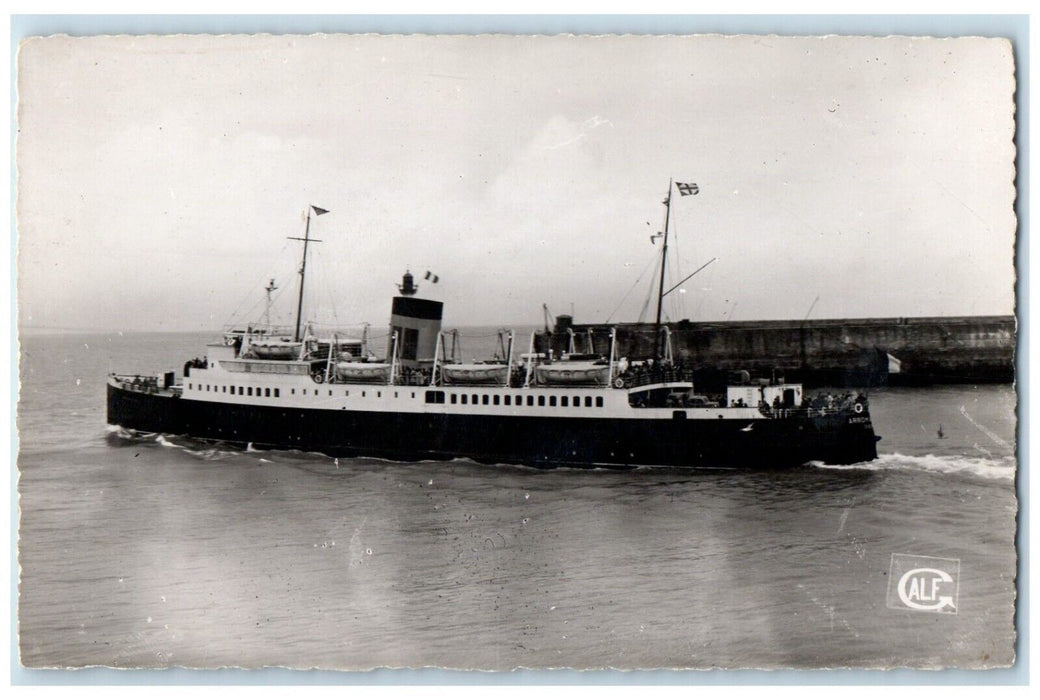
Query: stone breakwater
[921,350]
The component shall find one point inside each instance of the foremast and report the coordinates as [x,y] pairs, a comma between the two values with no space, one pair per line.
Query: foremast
[318,211]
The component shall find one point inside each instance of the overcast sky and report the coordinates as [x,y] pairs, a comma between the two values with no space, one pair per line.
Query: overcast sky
[159,177]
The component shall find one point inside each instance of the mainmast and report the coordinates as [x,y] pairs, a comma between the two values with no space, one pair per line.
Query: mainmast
[664,259]
[685,188]
[318,211]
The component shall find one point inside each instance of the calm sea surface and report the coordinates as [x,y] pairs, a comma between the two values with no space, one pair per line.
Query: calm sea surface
[158,551]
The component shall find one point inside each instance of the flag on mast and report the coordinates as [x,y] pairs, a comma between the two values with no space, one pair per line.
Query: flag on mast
[686,188]
[319,211]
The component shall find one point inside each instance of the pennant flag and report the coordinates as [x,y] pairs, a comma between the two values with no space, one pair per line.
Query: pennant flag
[686,188]
[432,277]
[319,211]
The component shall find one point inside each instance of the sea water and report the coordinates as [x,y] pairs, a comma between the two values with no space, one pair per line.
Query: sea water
[158,551]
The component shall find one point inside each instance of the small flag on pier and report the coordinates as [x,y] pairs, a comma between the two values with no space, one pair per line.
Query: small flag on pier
[319,211]
[432,277]
[895,366]
[686,188]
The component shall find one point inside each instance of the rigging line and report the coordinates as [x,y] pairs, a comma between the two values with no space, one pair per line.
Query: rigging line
[678,303]
[478,335]
[326,286]
[259,307]
[702,297]
[651,293]
[646,302]
[630,289]
[249,290]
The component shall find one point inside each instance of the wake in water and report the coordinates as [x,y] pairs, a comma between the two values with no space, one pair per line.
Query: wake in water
[995,468]
[118,436]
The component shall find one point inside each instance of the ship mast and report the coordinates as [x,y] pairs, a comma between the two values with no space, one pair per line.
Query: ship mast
[318,211]
[664,258]
[267,310]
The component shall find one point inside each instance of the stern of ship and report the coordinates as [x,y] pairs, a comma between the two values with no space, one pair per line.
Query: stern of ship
[137,404]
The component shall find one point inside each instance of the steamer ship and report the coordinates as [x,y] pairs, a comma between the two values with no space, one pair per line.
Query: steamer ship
[539,408]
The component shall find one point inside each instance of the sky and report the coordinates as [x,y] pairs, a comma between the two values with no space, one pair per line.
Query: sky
[159,177]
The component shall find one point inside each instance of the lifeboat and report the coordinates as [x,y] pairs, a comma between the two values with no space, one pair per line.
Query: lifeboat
[572,374]
[275,349]
[475,374]
[363,372]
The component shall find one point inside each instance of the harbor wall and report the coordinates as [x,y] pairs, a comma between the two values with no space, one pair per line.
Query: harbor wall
[923,350]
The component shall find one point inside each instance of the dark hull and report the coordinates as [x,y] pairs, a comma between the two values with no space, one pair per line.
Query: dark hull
[536,441]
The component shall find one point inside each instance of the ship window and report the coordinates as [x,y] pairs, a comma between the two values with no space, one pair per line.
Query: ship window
[379,394]
[223,389]
[454,398]
[330,392]
[541,400]
[530,400]
[485,399]
[599,402]
[519,400]
[250,391]
[434,397]
[588,402]
[395,394]
[464,399]
[552,400]
[258,391]
[508,399]
[346,392]
[563,401]
[363,394]
[476,399]
[577,401]
[413,394]
[267,392]
[276,393]
[304,392]
[189,385]
[293,392]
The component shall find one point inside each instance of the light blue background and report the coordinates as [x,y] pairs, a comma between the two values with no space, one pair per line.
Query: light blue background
[1013,27]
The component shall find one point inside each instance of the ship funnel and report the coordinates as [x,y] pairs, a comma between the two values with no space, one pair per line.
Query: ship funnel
[417,323]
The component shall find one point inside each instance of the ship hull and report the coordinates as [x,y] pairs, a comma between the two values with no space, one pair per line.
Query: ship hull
[532,440]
